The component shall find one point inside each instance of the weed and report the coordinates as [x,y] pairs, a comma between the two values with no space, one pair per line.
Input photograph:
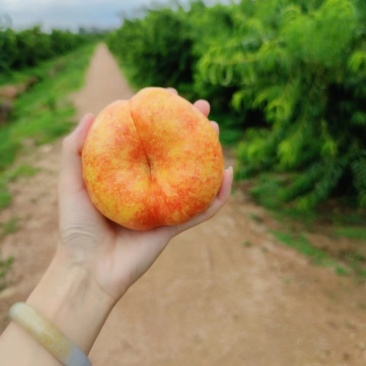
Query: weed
[5,196]
[301,243]
[341,270]
[357,261]
[42,114]
[255,218]
[351,232]
[5,267]
[20,171]
[330,218]
[10,226]
[349,218]
[10,176]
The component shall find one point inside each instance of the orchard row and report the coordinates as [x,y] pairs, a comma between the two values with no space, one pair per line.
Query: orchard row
[29,47]
[288,75]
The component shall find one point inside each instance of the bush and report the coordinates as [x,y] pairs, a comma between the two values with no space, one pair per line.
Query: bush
[156,50]
[292,72]
[29,47]
[304,66]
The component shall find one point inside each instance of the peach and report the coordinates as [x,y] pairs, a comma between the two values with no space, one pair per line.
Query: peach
[153,160]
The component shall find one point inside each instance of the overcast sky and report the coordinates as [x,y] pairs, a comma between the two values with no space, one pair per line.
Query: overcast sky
[69,13]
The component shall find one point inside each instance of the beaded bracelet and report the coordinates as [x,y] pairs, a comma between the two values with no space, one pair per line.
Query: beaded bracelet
[48,335]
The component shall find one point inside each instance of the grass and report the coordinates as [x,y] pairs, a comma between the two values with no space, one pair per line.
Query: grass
[10,175]
[5,266]
[330,219]
[268,190]
[42,114]
[5,196]
[302,244]
[357,261]
[20,171]
[327,220]
[256,218]
[18,77]
[345,262]
[357,258]
[10,226]
[351,232]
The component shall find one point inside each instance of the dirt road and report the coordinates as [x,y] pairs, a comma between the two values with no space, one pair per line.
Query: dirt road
[222,294]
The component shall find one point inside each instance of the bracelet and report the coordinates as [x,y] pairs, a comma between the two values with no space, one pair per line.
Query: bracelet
[48,335]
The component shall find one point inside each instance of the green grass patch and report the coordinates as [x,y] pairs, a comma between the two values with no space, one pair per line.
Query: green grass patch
[301,243]
[267,190]
[352,217]
[256,218]
[5,267]
[18,77]
[5,196]
[10,175]
[20,171]
[43,113]
[357,261]
[357,233]
[10,227]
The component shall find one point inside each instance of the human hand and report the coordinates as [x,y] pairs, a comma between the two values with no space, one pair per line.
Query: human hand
[96,260]
[114,257]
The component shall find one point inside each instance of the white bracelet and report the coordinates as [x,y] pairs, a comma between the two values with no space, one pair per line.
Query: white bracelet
[48,335]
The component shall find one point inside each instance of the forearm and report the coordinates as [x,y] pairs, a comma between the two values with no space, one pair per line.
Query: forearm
[69,298]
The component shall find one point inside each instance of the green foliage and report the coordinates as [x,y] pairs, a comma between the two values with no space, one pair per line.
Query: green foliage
[156,50]
[5,196]
[11,226]
[344,262]
[301,243]
[304,68]
[20,171]
[291,72]
[351,232]
[41,115]
[5,266]
[11,175]
[29,47]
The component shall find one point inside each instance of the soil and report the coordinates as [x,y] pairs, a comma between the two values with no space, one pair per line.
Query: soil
[223,293]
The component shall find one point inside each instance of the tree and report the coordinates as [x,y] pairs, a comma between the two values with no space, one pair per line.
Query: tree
[303,65]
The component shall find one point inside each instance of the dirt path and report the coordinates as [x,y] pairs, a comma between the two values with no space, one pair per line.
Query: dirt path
[224,293]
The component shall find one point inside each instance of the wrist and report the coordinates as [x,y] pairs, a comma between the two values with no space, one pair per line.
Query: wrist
[68,296]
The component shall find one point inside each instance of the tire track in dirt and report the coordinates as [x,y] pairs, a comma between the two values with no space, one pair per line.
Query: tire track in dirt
[223,293]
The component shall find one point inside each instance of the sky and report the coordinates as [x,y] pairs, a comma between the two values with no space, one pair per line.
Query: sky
[69,14]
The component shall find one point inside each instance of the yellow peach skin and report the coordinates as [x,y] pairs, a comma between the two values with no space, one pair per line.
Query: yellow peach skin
[151,161]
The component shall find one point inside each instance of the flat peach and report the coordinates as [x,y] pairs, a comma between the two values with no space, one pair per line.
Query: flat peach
[151,161]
